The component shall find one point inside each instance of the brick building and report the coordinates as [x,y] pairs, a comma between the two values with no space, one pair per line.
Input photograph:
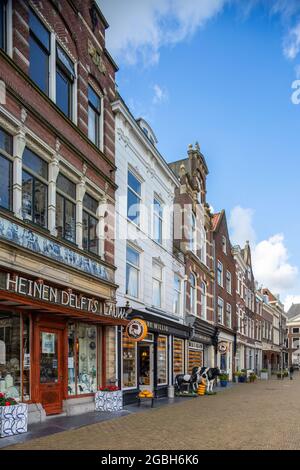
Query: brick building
[193,237]
[225,295]
[249,313]
[293,335]
[57,183]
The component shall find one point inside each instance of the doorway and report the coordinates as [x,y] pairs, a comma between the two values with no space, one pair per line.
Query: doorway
[146,366]
[51,370]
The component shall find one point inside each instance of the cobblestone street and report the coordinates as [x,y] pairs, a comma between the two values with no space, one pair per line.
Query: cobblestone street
[264,415]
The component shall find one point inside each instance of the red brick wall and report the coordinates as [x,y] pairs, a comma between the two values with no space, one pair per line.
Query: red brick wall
[73,30]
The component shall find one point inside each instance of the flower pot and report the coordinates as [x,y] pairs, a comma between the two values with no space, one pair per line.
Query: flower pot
[13,419]
[242,379]
[108,401]
[223,383]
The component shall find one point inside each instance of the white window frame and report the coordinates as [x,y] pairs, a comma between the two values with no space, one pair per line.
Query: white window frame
[221,273]
[137,268]
[179,292]
[160,283]
[193,308]
[220,302]
[203,296]
[158,218]
[193,234]
[139,196]
[229,310]
[230,282]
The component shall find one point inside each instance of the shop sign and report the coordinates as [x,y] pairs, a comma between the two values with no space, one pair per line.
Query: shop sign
[39,290]
[157,327]
[205,339]
[137,329]
[223,347]
[195,345]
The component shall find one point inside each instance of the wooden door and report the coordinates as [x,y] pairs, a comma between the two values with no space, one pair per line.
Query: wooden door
[51,369]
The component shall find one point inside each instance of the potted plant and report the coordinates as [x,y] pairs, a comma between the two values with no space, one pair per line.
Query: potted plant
[243,376]
[252,377]
[236,376]
[264,374]
[280,375]
[13,416]
[285,373]
[223,380]
[108,398]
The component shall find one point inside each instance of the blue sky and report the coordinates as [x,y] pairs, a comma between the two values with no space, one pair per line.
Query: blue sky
[215,72]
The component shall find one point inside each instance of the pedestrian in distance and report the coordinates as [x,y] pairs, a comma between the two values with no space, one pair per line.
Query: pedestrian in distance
[291,372]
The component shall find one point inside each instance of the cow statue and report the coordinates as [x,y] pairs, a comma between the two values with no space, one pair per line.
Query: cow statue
[210,374]
[192,379]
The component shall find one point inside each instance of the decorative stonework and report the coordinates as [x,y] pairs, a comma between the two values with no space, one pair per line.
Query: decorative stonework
[109,401]
[27,238]
[13,419]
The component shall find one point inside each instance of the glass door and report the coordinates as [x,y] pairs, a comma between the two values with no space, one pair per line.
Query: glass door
[51,378]
[146,366]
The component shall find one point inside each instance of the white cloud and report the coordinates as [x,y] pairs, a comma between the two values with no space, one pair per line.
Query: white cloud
[160,94]
[270,257]
[292,43]
[139,28]
[240,224]
[271,265]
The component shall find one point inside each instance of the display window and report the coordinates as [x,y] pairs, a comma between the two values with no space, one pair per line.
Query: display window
[82,359]
[178,356]
[129,363]
[195,356]
[162,360]
[15,355]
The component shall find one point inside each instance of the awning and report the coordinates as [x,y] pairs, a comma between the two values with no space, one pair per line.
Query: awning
[14,301]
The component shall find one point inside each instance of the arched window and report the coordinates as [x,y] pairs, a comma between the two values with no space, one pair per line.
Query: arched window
[193,295]
[193,234]
[203,245]
[203,300]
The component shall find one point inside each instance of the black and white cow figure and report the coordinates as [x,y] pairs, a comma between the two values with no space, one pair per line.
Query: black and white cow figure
[192,380]
[210,374]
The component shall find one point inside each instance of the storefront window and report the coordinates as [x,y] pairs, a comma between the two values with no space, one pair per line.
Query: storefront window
[162,360]
[86,347]
[71,360]
[178,356]
[129,363]
[10,353]
[26,358]
[195,356]
[111,372]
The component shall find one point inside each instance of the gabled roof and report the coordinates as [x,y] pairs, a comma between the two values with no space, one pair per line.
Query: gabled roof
[216,220]
[293,311]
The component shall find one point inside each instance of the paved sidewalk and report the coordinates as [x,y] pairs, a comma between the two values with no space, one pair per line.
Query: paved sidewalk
[264,415]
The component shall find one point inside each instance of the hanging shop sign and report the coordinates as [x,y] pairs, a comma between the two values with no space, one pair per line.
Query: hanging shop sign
[136,330]
[223,347]
[39,290]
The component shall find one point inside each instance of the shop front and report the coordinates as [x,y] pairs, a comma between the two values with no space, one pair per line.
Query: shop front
[204,338]
[225,353]
[57,345]
[151,363]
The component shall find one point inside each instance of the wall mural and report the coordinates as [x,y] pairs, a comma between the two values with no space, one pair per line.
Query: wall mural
[27,238]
